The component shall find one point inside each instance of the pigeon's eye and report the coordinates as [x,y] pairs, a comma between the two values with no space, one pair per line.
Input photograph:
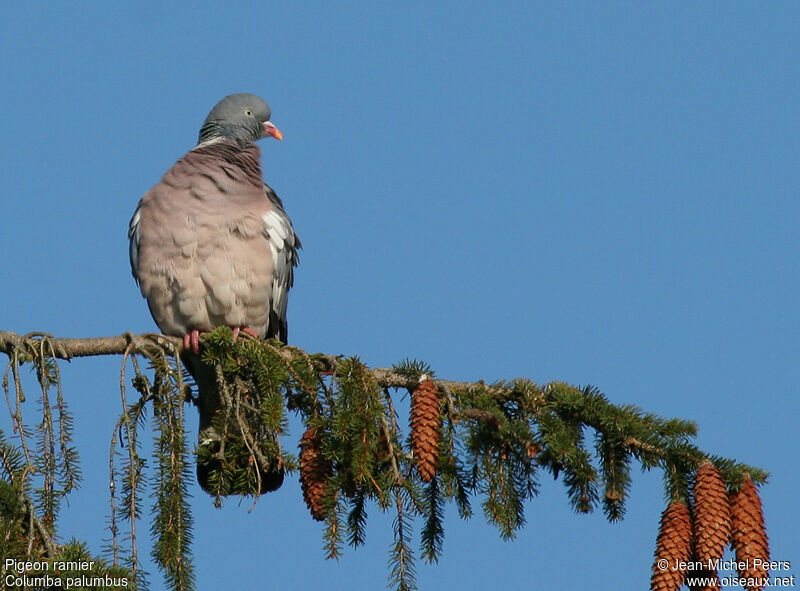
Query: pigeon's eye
[248,112]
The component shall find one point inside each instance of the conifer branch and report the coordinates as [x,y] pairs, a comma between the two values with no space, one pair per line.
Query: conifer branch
[154,343]
[24,347]
[466,439]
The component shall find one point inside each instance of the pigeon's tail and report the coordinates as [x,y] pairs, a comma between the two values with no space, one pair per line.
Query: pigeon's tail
[212,460]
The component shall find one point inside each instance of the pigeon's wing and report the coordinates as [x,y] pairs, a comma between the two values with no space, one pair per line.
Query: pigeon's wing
[284,245]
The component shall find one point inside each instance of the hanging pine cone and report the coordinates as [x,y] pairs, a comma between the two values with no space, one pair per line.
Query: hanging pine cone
[425,427]
[315,471]
[748,533]
[705,575]
[674,544]
[712,513]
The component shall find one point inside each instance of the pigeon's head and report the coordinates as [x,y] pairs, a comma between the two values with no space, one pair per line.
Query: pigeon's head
[243,118]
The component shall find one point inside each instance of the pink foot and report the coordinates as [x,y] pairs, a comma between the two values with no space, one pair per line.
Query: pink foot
[191,340]
[245,329]
[250,331]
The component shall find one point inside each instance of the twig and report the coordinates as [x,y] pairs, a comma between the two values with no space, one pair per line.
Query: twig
[157,344]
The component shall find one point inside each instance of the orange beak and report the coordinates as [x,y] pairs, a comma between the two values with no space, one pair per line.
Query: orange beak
[270,129]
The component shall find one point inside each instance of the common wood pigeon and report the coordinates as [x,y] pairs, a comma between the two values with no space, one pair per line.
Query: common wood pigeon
[211,244]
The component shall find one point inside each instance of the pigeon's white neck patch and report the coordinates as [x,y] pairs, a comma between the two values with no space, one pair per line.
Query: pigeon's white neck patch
[208,142]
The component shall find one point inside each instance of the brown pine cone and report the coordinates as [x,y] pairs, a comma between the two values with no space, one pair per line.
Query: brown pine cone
[315,471]
[749,534]
[674,545]
[425,427]
[712,513]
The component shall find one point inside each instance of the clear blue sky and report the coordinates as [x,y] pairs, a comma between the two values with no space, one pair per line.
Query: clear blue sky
[600,193]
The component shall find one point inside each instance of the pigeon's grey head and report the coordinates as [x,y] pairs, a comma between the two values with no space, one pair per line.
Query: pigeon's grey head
[243,118]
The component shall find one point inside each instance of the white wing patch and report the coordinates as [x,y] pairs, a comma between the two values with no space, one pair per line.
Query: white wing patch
[283,244]
[277,224]
[278,230]
[133,237]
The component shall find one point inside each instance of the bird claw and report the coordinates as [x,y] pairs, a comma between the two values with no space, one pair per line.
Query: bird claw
[249,331]
[244,330]
[191,340]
